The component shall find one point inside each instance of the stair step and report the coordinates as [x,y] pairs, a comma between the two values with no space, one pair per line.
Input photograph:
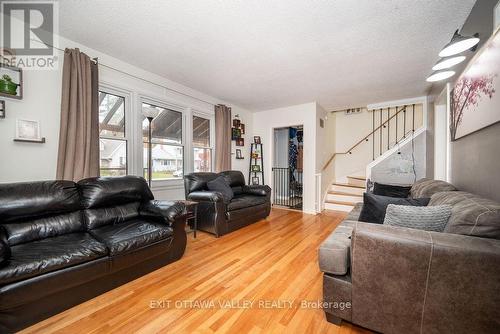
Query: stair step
[335,192]
[341,203]
[348,185]
[363,178]
[338,207]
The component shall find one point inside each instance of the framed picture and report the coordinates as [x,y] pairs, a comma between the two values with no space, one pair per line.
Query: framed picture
[11,82]
[238,154]
[255,168]
[28,130]
[240,142]
[2,109]
[475,98]
[256,139]
[242,128]
[235,133]
[255,180]
[236,123]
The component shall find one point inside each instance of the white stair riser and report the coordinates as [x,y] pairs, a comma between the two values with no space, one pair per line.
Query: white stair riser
[338,207]
[356,182]
[344,198]
[349,190]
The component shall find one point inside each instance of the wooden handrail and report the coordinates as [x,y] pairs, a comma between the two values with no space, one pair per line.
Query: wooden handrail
[403,108]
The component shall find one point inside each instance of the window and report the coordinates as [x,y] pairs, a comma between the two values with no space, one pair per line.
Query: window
[202,151]
[167,147]
[112,140]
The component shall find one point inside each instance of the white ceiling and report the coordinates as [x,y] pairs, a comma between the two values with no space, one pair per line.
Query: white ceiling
[263,54]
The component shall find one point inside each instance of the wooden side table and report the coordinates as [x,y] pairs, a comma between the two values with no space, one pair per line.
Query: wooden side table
[191,214]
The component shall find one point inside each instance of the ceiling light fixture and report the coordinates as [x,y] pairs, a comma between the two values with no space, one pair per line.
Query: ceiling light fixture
[440,75]
[448,62]
[459,44]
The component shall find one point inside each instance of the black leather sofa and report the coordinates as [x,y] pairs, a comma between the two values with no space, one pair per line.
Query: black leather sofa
[249,205]
[62,243]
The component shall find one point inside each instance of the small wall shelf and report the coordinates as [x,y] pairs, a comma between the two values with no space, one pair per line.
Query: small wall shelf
[38,141]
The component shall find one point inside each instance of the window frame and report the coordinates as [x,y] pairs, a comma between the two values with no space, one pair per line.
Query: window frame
[211,146]
[162,103]
[128,130]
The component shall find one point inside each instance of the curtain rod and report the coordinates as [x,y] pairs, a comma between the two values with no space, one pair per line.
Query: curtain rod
[137,77]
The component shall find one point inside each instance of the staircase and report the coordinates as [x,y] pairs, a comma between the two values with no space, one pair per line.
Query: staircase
[343,196]
[392,127]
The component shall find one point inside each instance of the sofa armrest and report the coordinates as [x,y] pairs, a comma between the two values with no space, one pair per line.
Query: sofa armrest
[205,196]
[171,211]
[420,276]
[257,190]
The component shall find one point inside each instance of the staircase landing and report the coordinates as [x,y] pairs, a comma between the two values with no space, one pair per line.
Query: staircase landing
[344,196]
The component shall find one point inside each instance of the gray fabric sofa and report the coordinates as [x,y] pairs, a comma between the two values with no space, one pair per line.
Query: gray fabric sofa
[401,280]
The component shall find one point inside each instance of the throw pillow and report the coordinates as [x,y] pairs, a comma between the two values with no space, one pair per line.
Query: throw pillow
[374,206]
[391,191]
[428,218]
[220,185]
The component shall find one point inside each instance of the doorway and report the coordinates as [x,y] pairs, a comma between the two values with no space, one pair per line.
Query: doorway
[288,162]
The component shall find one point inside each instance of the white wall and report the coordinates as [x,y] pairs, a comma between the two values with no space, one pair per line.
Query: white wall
[264,123]
[325,148]
[41,102]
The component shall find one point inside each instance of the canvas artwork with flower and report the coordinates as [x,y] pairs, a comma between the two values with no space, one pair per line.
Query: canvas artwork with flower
[475,103]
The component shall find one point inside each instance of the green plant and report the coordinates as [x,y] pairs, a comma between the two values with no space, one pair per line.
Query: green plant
[7,78]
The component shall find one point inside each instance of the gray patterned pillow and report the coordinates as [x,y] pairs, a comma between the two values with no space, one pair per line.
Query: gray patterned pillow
[428,218]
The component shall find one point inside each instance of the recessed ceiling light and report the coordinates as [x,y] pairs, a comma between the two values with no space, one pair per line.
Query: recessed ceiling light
[448,62]
[440,75]
[458,44]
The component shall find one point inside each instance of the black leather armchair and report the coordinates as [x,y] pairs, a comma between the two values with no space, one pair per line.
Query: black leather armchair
[249,205]
[62,243]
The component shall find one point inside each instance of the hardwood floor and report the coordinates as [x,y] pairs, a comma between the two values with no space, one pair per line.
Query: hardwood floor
[273,261]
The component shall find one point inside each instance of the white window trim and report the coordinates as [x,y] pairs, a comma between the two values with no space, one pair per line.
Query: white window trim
[211,118]
[167,104]
[128,138]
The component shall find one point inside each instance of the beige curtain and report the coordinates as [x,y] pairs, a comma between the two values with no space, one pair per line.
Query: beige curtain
[78,155]
[222,138]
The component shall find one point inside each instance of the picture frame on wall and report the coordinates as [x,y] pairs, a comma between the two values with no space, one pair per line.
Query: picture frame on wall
[240,142]
[475,101]
[236,123]
[28,131]
[255,168]
[255,181]
[2,109]
[239,154]
[256,139]
[242,128]
[11,82]
[235,133]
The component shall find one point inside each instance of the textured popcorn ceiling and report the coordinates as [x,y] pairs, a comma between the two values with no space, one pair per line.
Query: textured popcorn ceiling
[265,54]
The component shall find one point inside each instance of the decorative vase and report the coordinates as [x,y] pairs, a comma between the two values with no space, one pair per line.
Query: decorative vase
[8,87]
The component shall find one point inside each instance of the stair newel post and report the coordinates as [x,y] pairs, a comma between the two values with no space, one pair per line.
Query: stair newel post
[397,115]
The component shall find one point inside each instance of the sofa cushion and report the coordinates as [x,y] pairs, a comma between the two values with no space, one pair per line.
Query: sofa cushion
[99,192]
[391,190]
[234,178]
[131,235]
[245,201]
[425,188]
[470,214]
[94,218]
[374,206]
[197,181]
[220,185]
[47,255]
[334,253]
[427,218]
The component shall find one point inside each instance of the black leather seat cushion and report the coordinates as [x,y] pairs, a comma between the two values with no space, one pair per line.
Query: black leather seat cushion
[131,235]
[245,201]
[43,256]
